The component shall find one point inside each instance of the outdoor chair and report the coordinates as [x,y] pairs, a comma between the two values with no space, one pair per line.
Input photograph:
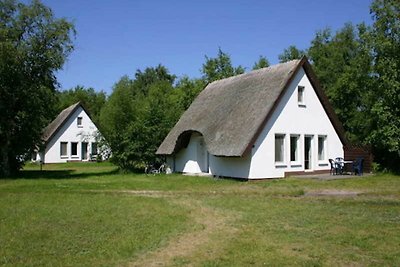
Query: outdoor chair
[339,162]
[334,169]
[358,166]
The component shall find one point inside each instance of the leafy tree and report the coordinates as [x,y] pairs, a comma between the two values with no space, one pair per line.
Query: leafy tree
[186,91]
[219,67]
[138,115]
[385,110]
[144,79]
[261,63]
[291,53]
[343,65]
[91,99]
[33,45]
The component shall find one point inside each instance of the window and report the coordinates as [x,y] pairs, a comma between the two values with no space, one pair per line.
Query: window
[294,148]
[94,149]
[63,149]
[79,121]
[279,147]
[321,147]
[74,149]
[300,95]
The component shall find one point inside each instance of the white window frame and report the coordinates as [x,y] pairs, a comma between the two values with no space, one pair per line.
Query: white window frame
[322,159]
[66,150]
[301,96]
[283,149]
[79,121]
[296,161]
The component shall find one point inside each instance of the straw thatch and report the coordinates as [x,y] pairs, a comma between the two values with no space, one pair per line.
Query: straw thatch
[58,122]
[230,113]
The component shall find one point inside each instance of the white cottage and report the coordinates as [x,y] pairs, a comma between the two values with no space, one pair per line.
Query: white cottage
[70,137]
[267,123]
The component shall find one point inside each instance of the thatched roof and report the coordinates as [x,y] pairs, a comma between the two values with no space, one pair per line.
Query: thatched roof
[230,113]
[58,122]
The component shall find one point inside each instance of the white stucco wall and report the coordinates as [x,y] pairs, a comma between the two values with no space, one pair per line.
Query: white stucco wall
[71,132]
[289,118]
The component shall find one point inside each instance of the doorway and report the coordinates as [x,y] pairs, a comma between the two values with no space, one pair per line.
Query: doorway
[308,152]
[84,151]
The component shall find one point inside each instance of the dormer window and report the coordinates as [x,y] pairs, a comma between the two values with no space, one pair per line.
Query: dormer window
[79,122]
[301,96]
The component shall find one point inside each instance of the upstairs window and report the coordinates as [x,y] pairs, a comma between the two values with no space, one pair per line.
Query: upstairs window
[79,121]
[300,96]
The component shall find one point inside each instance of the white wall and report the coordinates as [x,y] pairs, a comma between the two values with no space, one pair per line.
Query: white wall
[71,132]
[290,118]
[186,160]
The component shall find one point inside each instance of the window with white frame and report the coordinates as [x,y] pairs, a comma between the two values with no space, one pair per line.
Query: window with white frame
[74,149]
[294,148]
[279,148]
[63,149]
[79,121]
[322,147]
[300,96]
[94,149]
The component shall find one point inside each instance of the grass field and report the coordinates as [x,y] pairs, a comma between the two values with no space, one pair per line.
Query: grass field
[92,215]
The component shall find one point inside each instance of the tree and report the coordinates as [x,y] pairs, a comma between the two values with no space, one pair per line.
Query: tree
[219,67]
[186,91]
[261,63]
[144,79]
[93,101]
[385,110]
[138,115]
[342,63]
[291,53]
[33,45]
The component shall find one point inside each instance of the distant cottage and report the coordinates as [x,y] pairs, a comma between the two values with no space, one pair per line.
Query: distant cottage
[267,123]
[69,137]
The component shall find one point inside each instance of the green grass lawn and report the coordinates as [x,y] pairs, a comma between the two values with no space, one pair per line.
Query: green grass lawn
[90,214]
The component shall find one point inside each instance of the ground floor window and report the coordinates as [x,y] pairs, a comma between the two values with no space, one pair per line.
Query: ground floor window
[74,149]
[294,148]
[64,149]
[279,147]
[322,147]
[94,149]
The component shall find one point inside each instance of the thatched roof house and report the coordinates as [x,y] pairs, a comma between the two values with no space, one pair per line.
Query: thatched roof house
[231,114]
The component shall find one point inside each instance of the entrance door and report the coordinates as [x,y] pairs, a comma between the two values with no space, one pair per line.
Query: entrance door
[84,151]
[308,152]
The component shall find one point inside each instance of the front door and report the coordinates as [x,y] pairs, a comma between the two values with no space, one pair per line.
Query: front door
[84,151]
[308,152]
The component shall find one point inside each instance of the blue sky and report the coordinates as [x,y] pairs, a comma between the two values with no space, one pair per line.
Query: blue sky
[115,38]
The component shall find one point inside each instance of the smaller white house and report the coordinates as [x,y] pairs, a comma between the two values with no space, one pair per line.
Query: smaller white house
[69,137]
[267,123]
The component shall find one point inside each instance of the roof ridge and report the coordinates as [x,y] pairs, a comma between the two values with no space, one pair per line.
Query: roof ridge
[272,67]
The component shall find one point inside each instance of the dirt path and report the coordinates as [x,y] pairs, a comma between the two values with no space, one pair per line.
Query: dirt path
[207,223]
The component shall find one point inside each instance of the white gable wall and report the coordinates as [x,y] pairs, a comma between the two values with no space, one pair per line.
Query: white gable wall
[71,132]
[291,119]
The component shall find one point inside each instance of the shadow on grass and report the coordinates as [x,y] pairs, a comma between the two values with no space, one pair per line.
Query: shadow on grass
[60,174]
